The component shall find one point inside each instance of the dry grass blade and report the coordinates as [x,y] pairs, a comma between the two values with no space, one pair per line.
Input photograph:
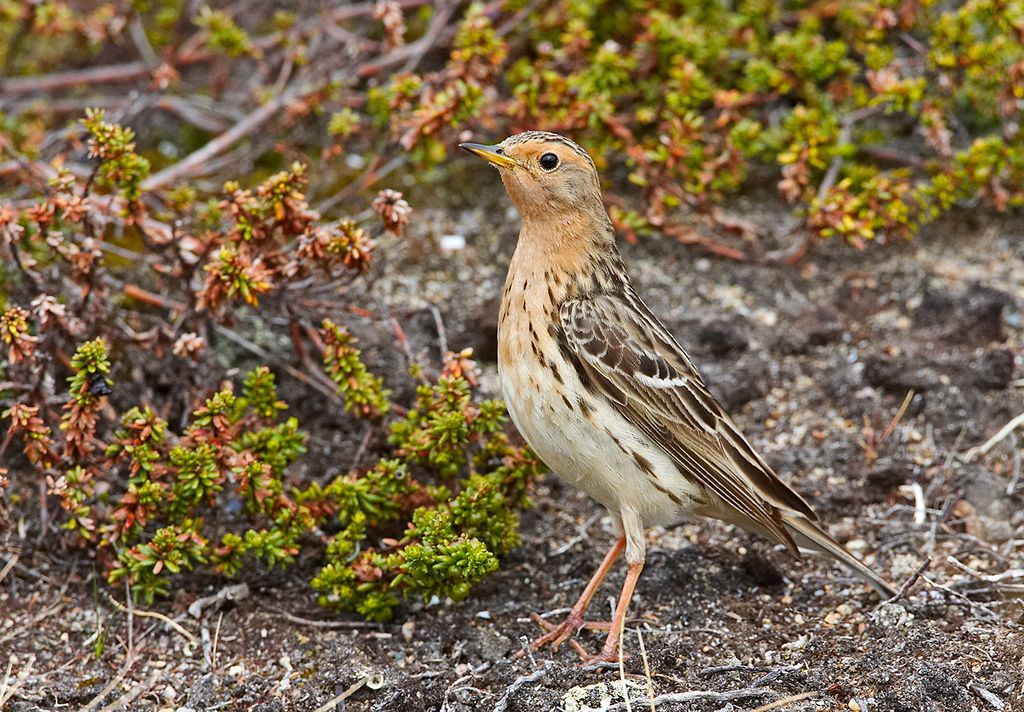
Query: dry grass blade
[127,698]
[332,703]
[177,627]
[995,439]
[8,566]
[98,699]
[647,669]
[4,686]
[896,418]
[328,624]
[7,692]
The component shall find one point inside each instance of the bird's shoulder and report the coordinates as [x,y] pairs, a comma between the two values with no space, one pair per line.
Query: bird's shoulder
[626,353]
[619,331]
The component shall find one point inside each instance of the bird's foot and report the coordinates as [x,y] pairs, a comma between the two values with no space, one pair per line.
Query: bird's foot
[605,656]
[555,635]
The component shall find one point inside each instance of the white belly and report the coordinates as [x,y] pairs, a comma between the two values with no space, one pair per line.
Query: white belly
[598,453]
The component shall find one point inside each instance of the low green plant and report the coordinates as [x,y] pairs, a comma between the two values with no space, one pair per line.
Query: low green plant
[877,116]
[448,489]
[451,532]
[208,476]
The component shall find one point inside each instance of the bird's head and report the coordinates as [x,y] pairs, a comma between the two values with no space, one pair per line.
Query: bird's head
[547,176]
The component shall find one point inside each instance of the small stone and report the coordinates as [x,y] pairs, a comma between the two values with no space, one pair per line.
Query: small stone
[798,644]
[408,629]
[453,243]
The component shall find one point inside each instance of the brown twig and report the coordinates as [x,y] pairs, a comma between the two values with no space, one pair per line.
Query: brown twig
[975,607]
[193,163]
[896,418]
[105,74]
[911,580]
[442,335]
[403,343]
[686,235]
[311,381]
[145,296]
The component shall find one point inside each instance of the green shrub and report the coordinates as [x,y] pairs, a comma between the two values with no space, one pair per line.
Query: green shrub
[225,489]
[912,109]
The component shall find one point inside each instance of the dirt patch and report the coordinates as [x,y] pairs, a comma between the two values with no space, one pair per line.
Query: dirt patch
[814,360]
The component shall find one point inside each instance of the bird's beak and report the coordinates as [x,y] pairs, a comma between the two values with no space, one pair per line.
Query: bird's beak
[490,154]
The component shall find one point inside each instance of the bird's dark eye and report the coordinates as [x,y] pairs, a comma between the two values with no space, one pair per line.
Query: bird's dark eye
[548,161]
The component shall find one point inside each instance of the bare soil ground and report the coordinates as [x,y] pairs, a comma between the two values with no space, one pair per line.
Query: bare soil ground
[814,361]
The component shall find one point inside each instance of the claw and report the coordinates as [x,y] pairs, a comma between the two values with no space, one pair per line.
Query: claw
[605,656]
[556,635]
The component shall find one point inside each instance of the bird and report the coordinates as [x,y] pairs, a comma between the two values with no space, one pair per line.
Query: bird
[603,393]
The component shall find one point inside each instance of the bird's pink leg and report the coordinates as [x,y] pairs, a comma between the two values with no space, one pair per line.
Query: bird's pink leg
[610,652]
[559,634]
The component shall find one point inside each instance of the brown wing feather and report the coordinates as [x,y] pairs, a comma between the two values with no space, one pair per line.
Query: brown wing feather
[626,353]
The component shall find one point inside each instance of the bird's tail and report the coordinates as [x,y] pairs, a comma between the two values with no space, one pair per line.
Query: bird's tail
[814,540]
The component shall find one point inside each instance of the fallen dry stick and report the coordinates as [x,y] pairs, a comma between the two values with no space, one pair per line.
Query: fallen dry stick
[995,439]
[153,614]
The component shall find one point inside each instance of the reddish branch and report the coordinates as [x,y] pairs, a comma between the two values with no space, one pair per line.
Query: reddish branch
[191,52]
[194,162]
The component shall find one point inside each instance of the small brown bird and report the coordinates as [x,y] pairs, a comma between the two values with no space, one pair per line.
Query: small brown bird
[605,395]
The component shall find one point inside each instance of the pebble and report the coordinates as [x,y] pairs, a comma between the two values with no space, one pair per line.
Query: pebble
[798,644]
[857,546]
[453,243]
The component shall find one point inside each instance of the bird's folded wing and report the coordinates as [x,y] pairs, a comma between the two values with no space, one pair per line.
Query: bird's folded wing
[629,356]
